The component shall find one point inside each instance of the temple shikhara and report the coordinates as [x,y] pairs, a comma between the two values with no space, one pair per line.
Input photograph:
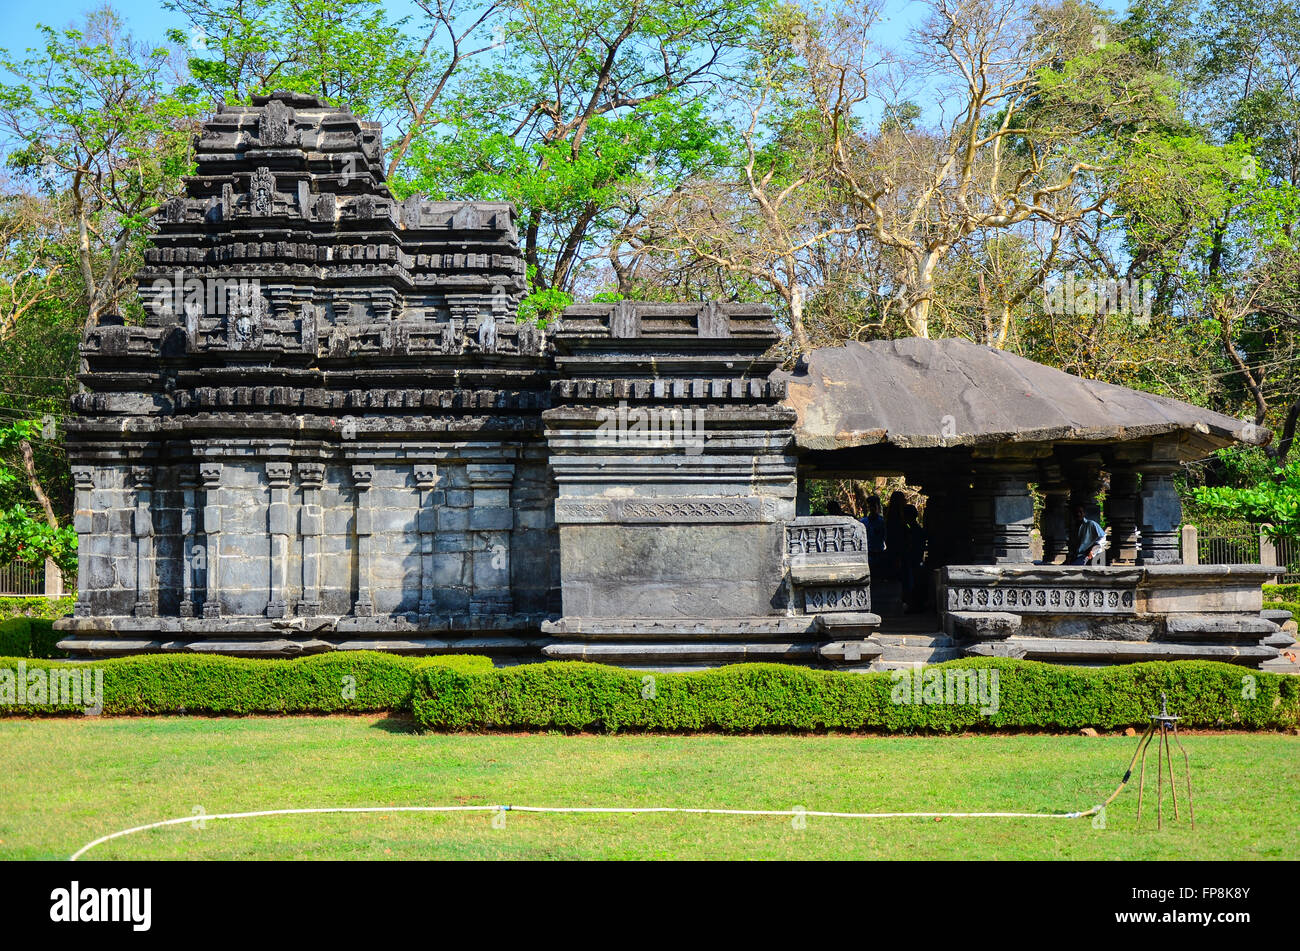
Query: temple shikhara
[331,433]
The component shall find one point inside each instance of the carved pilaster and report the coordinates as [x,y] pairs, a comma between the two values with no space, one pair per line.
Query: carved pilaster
[83,521]
[310,528]
[426,477]
[278,531]
[491,521]
[142,529]
[362,477]
[210,476]
[189,526]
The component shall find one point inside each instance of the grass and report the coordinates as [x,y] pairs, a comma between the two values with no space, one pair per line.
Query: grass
[70,780]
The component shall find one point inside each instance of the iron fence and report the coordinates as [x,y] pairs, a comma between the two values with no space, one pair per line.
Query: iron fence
[20,579]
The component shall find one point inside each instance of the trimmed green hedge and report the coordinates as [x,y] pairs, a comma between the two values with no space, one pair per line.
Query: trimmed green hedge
[15,637]
[188,683]
[1282,592]
[29,637]
[49,608]
[748,698]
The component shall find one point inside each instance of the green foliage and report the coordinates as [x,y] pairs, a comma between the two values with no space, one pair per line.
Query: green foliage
[31,540]
[48,608]
[15,637]
[1275,502]
[773,697]
[337,682]
[45,639]
[347,51]
[1282,592]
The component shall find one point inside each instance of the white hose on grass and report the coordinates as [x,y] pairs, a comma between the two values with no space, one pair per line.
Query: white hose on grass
[583,809]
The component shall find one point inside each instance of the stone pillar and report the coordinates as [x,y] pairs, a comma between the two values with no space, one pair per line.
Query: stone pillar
[1002,513]
[1055,521]
[142,529]
[210,475]
[1160,511]
[490,523]
[278,529]
[1267,547]
[311,524]
[83,522]
[1191,545]
[1122,516]
[53,579]
[188,526]
[362,478]
[426,477]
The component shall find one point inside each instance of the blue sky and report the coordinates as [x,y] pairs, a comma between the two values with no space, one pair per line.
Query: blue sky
[148,20]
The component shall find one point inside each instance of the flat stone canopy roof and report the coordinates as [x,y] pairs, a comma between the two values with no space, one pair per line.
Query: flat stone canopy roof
[918,393]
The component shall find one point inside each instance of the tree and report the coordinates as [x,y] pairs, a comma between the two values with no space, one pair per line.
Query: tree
[348,52]
[591,103]
[101,122]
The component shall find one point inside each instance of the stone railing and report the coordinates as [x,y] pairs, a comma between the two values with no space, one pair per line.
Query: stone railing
[827,557]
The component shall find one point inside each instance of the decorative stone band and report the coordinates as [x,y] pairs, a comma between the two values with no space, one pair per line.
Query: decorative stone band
[825,534]
[1141,590]
[1048,589]
[825,600]
[665,511]
[827,558]
[1039,600]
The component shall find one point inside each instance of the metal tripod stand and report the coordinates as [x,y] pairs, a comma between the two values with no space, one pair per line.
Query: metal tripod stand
[1167,723]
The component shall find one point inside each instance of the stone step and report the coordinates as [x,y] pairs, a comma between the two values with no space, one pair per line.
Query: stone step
[659,654]
[920,655]
[913,640]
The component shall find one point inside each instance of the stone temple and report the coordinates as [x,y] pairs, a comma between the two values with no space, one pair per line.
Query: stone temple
[331,433]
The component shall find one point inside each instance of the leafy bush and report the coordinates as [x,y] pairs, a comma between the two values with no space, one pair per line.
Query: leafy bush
[15,637]
[343,681]
[774,697]
[51,608]
[45,639]
[1282,592]
[1275,501]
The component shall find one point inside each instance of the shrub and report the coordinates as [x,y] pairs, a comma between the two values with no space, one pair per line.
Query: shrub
[51,608]
[15,637]
[190,683]
[774,697]
[1282,592]
[45,639]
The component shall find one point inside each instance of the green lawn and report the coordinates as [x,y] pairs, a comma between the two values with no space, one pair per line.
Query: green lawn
[67,781]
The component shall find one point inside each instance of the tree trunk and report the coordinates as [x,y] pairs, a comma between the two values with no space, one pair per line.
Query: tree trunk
[29,464]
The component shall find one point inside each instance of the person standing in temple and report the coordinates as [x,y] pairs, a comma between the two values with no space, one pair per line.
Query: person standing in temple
[1089,539]
[895,537]
[914,544]
[874,523]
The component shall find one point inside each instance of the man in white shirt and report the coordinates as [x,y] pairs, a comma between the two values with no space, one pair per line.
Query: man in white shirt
[1089,542]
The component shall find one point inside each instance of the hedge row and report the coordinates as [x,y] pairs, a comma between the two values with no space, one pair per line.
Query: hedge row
[359,681]
[29,637]
[748,698]
[1282,592]
[49,608]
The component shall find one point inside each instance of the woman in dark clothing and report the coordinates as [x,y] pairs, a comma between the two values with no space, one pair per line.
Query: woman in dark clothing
[895,537]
